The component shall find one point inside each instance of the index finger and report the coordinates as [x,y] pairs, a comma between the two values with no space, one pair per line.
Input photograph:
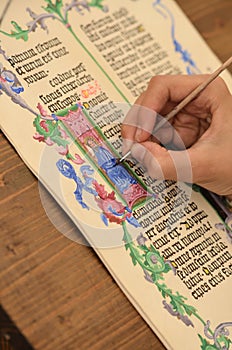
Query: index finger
[139,119]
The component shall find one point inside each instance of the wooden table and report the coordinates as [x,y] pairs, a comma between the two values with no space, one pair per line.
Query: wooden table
[58,292]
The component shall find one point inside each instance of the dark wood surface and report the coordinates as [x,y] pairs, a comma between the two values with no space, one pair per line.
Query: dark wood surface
[58,292]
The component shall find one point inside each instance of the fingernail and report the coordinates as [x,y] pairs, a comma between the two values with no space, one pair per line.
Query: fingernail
[138,152]
[138,134]
[126,146]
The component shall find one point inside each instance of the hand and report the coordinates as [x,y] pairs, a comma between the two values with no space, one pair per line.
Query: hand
[204,126]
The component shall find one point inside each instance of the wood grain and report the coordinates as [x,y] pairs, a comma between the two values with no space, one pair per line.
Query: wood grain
[57,291]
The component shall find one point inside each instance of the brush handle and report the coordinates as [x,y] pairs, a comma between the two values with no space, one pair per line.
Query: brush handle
[198,89]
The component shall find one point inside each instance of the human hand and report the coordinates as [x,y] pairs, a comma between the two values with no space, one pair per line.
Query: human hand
[204,126]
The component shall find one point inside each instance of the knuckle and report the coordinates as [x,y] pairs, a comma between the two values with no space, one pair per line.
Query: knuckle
[157,79]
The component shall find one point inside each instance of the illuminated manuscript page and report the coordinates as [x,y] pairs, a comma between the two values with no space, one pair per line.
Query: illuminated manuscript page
[69,73]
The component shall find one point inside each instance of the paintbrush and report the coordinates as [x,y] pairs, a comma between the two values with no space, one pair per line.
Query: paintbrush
[186,100]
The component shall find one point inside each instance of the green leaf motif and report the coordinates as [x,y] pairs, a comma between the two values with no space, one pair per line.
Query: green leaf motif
[134,260]
[57,138]
[127,246]
[205,345]
[157,277]
[96,3]
[190,310]
[65,111]
[52,131]
[225,341]
[144,248]
[49,124]
[164,290]
[18,33]
[167,268]
[53,8]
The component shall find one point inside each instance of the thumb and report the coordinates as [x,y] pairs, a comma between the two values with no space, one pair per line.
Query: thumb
[162,163]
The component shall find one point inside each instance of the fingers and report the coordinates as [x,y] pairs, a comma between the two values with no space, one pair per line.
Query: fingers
[129,126]
[161,93]
[190,166]
[161,163]
[164,88]
[204,125]
[137,125]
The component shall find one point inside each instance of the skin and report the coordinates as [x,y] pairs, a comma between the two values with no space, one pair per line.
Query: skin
[204,126]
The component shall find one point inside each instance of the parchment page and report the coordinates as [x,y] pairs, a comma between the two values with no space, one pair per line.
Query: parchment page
[69,74]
